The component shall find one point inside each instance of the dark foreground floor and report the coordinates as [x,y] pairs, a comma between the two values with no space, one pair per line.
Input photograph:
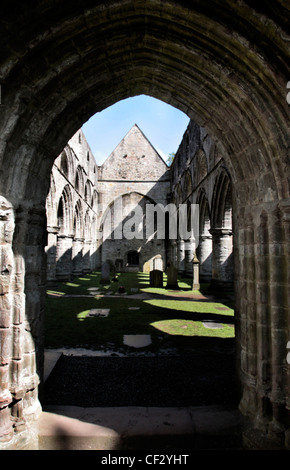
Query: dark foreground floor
[189,380]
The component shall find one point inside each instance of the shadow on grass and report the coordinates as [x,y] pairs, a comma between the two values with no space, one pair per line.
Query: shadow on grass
[173,321]
[186,363]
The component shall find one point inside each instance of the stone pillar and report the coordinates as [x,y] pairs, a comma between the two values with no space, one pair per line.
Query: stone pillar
[31,262]
[222,259]
[51,254]
[87,257]
[262,324]
[181,257]
[94,256]
[173,254]
[189,256]
[64,257]
[7,269]
[23,287]
[77,256]
[204,253]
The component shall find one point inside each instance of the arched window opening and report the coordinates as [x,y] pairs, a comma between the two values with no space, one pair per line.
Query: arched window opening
[60,215]
[64,164]
[227,215]
[88,193]
[133,258]
[77,182]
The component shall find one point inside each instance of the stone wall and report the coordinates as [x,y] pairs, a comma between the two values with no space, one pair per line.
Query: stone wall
[72,213]
[82,198]
[133,176]
[199,176]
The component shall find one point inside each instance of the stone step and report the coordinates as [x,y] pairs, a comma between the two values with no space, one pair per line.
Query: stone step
[139,428]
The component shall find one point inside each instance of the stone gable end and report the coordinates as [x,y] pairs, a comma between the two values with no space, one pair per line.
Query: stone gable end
[134,157]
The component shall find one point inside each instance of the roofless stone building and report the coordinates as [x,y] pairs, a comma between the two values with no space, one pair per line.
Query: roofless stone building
[226,65]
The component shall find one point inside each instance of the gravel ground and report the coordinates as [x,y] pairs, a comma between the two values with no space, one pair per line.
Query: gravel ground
[197,379]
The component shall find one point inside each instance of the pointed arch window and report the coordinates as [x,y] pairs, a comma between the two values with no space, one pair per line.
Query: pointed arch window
[133,258]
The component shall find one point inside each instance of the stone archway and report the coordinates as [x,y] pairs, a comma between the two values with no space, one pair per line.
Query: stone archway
[222,233]
[226,67]
[204,252]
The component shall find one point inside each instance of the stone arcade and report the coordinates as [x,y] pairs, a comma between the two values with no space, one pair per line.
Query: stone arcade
[226,65]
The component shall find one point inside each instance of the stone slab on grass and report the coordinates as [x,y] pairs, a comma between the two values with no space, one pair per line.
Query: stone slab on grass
[99,312]
[211,324]
[137,341]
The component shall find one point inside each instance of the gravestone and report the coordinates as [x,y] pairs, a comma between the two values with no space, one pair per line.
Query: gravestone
[156,278]
[172,273]
[137,341]
[195,281]
[105,273]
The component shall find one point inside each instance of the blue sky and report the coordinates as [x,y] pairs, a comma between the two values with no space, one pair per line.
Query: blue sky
[162,124]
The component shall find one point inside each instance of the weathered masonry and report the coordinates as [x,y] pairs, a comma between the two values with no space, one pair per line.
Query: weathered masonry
[86,203]
[133,176]
[71,207]
[226,65]
[200,176]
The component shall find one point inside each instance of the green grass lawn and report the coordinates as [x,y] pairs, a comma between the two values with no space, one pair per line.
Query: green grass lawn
[172,319]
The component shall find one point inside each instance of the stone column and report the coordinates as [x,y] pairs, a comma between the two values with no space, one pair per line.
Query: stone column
[77,256]
[262,323]
[181,257]
[51,254]
[23,286]
[7,269]
[189,256]
[204,254]
[222,258]
[173,249]
[87,257]
[64,257]
[93,255]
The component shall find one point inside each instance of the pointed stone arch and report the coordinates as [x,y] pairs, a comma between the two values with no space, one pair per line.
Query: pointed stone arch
[187,184]
[222,233]
[78,220]
[50,202]
[78,240]
[79,181]
[222,201]
[204,251]
[64,211]
[88,192]
[95,200]
[64,165]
